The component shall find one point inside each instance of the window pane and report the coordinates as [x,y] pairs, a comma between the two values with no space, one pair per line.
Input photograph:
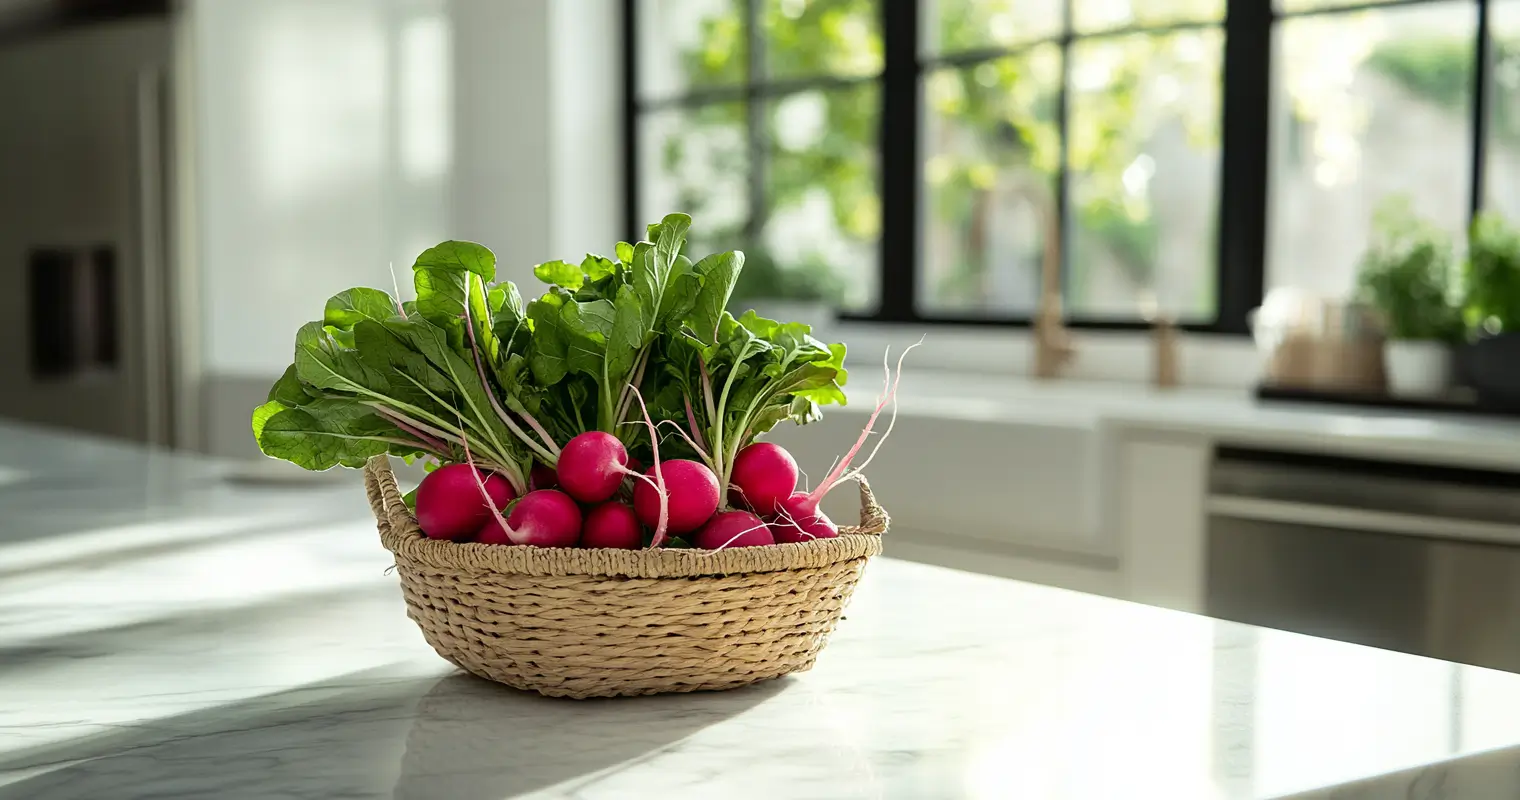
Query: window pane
[951,26]
[823,221]
[1091,15]
[1367,106]
[821,37]
[1144,158]
[991,153]
[689,44]
[696,161]
[1503,150]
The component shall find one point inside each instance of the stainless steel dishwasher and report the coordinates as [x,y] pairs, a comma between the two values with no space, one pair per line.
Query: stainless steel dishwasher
[1413,558]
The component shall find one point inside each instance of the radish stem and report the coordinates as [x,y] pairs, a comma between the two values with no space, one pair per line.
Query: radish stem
[659,476]
[691,420]
[485,495]
[549,457]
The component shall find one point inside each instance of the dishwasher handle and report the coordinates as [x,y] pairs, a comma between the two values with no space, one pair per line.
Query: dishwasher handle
[1345,518]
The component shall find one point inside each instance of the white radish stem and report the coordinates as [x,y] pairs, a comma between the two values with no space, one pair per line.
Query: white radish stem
[485,495]
[785,516]
[739,535]
[550,455]
[542,434]
[691,420]
[400,309]
[626,401]
[694,445]
[659,476]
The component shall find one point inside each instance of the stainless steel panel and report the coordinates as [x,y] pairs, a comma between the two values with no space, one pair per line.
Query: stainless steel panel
[1370,489]
[1456,601]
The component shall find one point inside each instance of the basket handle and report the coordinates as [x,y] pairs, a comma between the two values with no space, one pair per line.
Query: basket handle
[391,516]
[873,518]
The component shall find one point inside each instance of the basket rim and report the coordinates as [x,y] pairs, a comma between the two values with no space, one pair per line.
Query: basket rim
[400,534]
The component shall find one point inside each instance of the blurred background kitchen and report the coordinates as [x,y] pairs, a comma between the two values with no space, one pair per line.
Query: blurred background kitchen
[1219,299]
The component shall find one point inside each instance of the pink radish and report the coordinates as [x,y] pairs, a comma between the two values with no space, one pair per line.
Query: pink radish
[798,518]
[691,491]
[612,524]
[451,500]
[592,466]
[733,529]
[542,477]
[764,474]
[545,518]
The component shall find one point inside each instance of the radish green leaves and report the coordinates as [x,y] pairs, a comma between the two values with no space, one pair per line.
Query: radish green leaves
[470,364]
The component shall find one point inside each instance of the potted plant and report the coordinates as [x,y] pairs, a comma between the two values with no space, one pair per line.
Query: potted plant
[1408,275]
[806,292]
[1491,278]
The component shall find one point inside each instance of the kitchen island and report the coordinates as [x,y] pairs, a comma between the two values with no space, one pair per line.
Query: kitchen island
[169,631]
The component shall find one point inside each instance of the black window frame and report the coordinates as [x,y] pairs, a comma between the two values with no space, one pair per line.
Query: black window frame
[1245,148]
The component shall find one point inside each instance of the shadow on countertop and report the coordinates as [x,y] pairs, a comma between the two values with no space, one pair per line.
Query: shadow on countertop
[370,734]
[476,740]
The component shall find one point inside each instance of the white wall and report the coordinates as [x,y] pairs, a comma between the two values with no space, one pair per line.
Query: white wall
[324,156]
[334,138]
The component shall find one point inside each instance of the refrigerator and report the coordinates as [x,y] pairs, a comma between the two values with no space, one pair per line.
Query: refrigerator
[87,277]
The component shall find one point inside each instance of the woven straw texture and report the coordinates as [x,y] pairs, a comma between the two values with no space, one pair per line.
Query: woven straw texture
[599,623]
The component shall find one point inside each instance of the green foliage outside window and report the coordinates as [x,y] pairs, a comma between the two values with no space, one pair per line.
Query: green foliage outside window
[1009,104]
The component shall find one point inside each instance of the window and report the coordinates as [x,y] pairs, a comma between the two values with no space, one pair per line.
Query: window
[921,162]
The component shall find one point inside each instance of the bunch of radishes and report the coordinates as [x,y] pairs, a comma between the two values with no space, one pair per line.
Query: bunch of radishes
[534,412]
[597,497]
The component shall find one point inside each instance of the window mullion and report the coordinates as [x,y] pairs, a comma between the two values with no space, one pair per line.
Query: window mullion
[1481,77]
[631,175]
[900,167]
[1243,179]
[755,134]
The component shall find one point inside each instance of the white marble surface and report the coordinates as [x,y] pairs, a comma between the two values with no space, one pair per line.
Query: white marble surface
[165,634]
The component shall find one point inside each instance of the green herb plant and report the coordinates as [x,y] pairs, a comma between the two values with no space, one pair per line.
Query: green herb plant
[1492,275]
[1407,274]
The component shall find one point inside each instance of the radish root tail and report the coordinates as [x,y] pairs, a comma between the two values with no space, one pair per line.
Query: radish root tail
[888,396]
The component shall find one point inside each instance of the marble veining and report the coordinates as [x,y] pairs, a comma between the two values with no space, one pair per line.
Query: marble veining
[216,640]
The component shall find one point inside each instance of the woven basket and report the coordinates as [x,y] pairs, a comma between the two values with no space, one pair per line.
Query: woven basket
[578,623]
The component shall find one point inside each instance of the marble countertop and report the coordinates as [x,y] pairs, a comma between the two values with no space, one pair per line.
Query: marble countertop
[167,633]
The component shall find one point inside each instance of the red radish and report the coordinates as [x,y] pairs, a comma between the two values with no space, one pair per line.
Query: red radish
[635,465]
[799,521]
[612,524]
[691,490]
[733,529]
[592,466]
[451,500]
[545,518]
[798,518]
[764,474]
[542,477]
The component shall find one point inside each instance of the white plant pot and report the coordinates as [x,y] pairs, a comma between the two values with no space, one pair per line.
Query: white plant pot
[1417,368]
